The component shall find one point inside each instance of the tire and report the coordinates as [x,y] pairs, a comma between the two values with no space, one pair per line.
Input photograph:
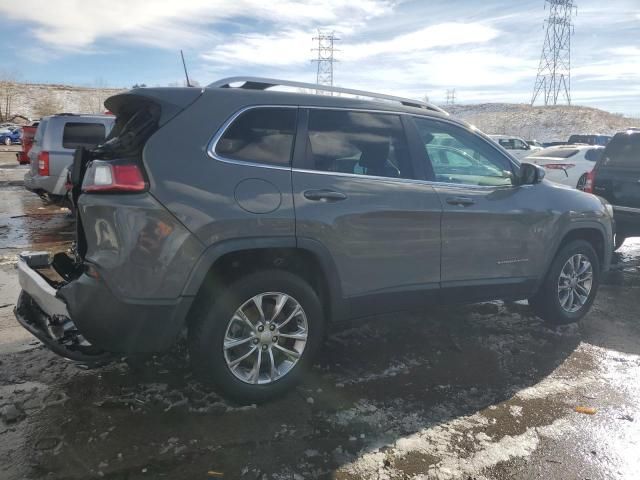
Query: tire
[618,241]
[581,182]
[213,324]
[7,141]
[546,303]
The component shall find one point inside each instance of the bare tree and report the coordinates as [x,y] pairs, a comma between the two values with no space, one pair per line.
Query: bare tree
[47,105]
[8,92]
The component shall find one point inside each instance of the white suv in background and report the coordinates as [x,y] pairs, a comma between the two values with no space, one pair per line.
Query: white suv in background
[516,145]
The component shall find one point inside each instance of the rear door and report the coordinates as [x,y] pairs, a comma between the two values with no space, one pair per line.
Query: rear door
[491,231]
[617,175]
[355,194]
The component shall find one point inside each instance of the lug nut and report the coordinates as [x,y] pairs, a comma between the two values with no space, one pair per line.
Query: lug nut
[260,328]
[255,341]
[274,339]
[272,327]
[264,347]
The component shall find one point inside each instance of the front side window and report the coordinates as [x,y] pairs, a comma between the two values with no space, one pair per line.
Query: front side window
[77,134]
[458,156]
[260,135]
[358,143]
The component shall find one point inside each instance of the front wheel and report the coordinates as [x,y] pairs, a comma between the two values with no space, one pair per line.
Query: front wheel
[257,336]
[570,287]
[7,141]
[618,241]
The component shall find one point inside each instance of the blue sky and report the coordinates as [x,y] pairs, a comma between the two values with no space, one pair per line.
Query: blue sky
[487,50]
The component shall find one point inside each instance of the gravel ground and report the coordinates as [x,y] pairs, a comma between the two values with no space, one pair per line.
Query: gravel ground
[483,391]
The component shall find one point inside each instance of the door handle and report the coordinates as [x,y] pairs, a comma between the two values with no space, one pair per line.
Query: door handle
[324,195]
[460,201]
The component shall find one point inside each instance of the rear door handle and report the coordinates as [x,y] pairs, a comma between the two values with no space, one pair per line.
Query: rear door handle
[324,195]
[460,201]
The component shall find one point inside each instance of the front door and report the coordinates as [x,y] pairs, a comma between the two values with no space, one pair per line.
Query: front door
[491,230]
[354,193]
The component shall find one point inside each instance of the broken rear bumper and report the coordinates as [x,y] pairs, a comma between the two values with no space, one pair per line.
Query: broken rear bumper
[83,320]
[46,317]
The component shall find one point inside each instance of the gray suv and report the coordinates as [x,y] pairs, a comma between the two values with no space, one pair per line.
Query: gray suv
[55,141]
[253,219]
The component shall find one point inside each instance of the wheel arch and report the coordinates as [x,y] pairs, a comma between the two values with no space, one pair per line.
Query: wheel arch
[592,232]
[226,261]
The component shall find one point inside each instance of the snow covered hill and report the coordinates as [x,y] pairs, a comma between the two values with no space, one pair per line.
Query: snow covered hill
[545,124]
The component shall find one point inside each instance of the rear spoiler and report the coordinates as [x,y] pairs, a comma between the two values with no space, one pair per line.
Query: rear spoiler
[171,100]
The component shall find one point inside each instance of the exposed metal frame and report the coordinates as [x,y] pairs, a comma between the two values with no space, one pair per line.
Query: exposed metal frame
[260,83]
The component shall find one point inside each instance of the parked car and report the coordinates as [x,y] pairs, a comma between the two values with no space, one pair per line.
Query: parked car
[54,144]
[535,145]
[616,177]
[553,144]
[12,136]
[567,164]
[516,145]
[28,133]
[255,219]
[589,139]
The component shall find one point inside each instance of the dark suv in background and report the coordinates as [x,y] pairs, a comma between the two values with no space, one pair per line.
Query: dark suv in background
[254,218]
[616,177]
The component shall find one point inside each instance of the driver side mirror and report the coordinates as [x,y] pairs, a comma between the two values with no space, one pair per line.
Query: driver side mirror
[531,174]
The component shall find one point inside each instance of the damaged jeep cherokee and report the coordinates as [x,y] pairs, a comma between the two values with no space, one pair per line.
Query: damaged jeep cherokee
[253,218]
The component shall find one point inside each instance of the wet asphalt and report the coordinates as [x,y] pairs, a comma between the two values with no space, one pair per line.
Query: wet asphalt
[478,392]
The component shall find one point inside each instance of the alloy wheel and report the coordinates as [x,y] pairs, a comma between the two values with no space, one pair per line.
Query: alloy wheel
[575,283]
[265,338]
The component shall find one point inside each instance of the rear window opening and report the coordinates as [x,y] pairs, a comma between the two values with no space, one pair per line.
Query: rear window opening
[88,135]
[135,123]
[623,151]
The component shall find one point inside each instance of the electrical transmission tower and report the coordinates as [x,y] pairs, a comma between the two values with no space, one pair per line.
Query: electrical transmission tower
[326,58]
[554,72]
[451,97]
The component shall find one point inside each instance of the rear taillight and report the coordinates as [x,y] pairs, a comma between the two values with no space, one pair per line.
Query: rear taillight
[588,183]
[113,177]
[43,164]
[559,166]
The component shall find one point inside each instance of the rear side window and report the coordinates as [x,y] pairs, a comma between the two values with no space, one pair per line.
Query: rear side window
[359,143]
[260,135]
[557,152]
[76,135]
[594,154]
[623,151]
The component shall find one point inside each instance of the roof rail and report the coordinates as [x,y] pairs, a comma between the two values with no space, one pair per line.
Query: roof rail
[259,83]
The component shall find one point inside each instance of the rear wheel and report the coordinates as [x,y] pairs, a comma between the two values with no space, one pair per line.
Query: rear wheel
[7,141]
[582,181]
[258,336]
[570,287]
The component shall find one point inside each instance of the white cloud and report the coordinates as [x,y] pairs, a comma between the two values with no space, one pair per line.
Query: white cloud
[440,35]
[617,64]
[168,23]
[293,47]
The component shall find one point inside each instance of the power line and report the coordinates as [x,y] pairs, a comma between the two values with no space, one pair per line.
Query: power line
[554,72]
[326,57]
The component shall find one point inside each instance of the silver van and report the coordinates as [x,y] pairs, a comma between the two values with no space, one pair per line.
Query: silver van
[55,141]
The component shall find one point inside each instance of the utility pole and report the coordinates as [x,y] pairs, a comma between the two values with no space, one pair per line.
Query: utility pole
[553,80]
[326,57]
[451,97]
